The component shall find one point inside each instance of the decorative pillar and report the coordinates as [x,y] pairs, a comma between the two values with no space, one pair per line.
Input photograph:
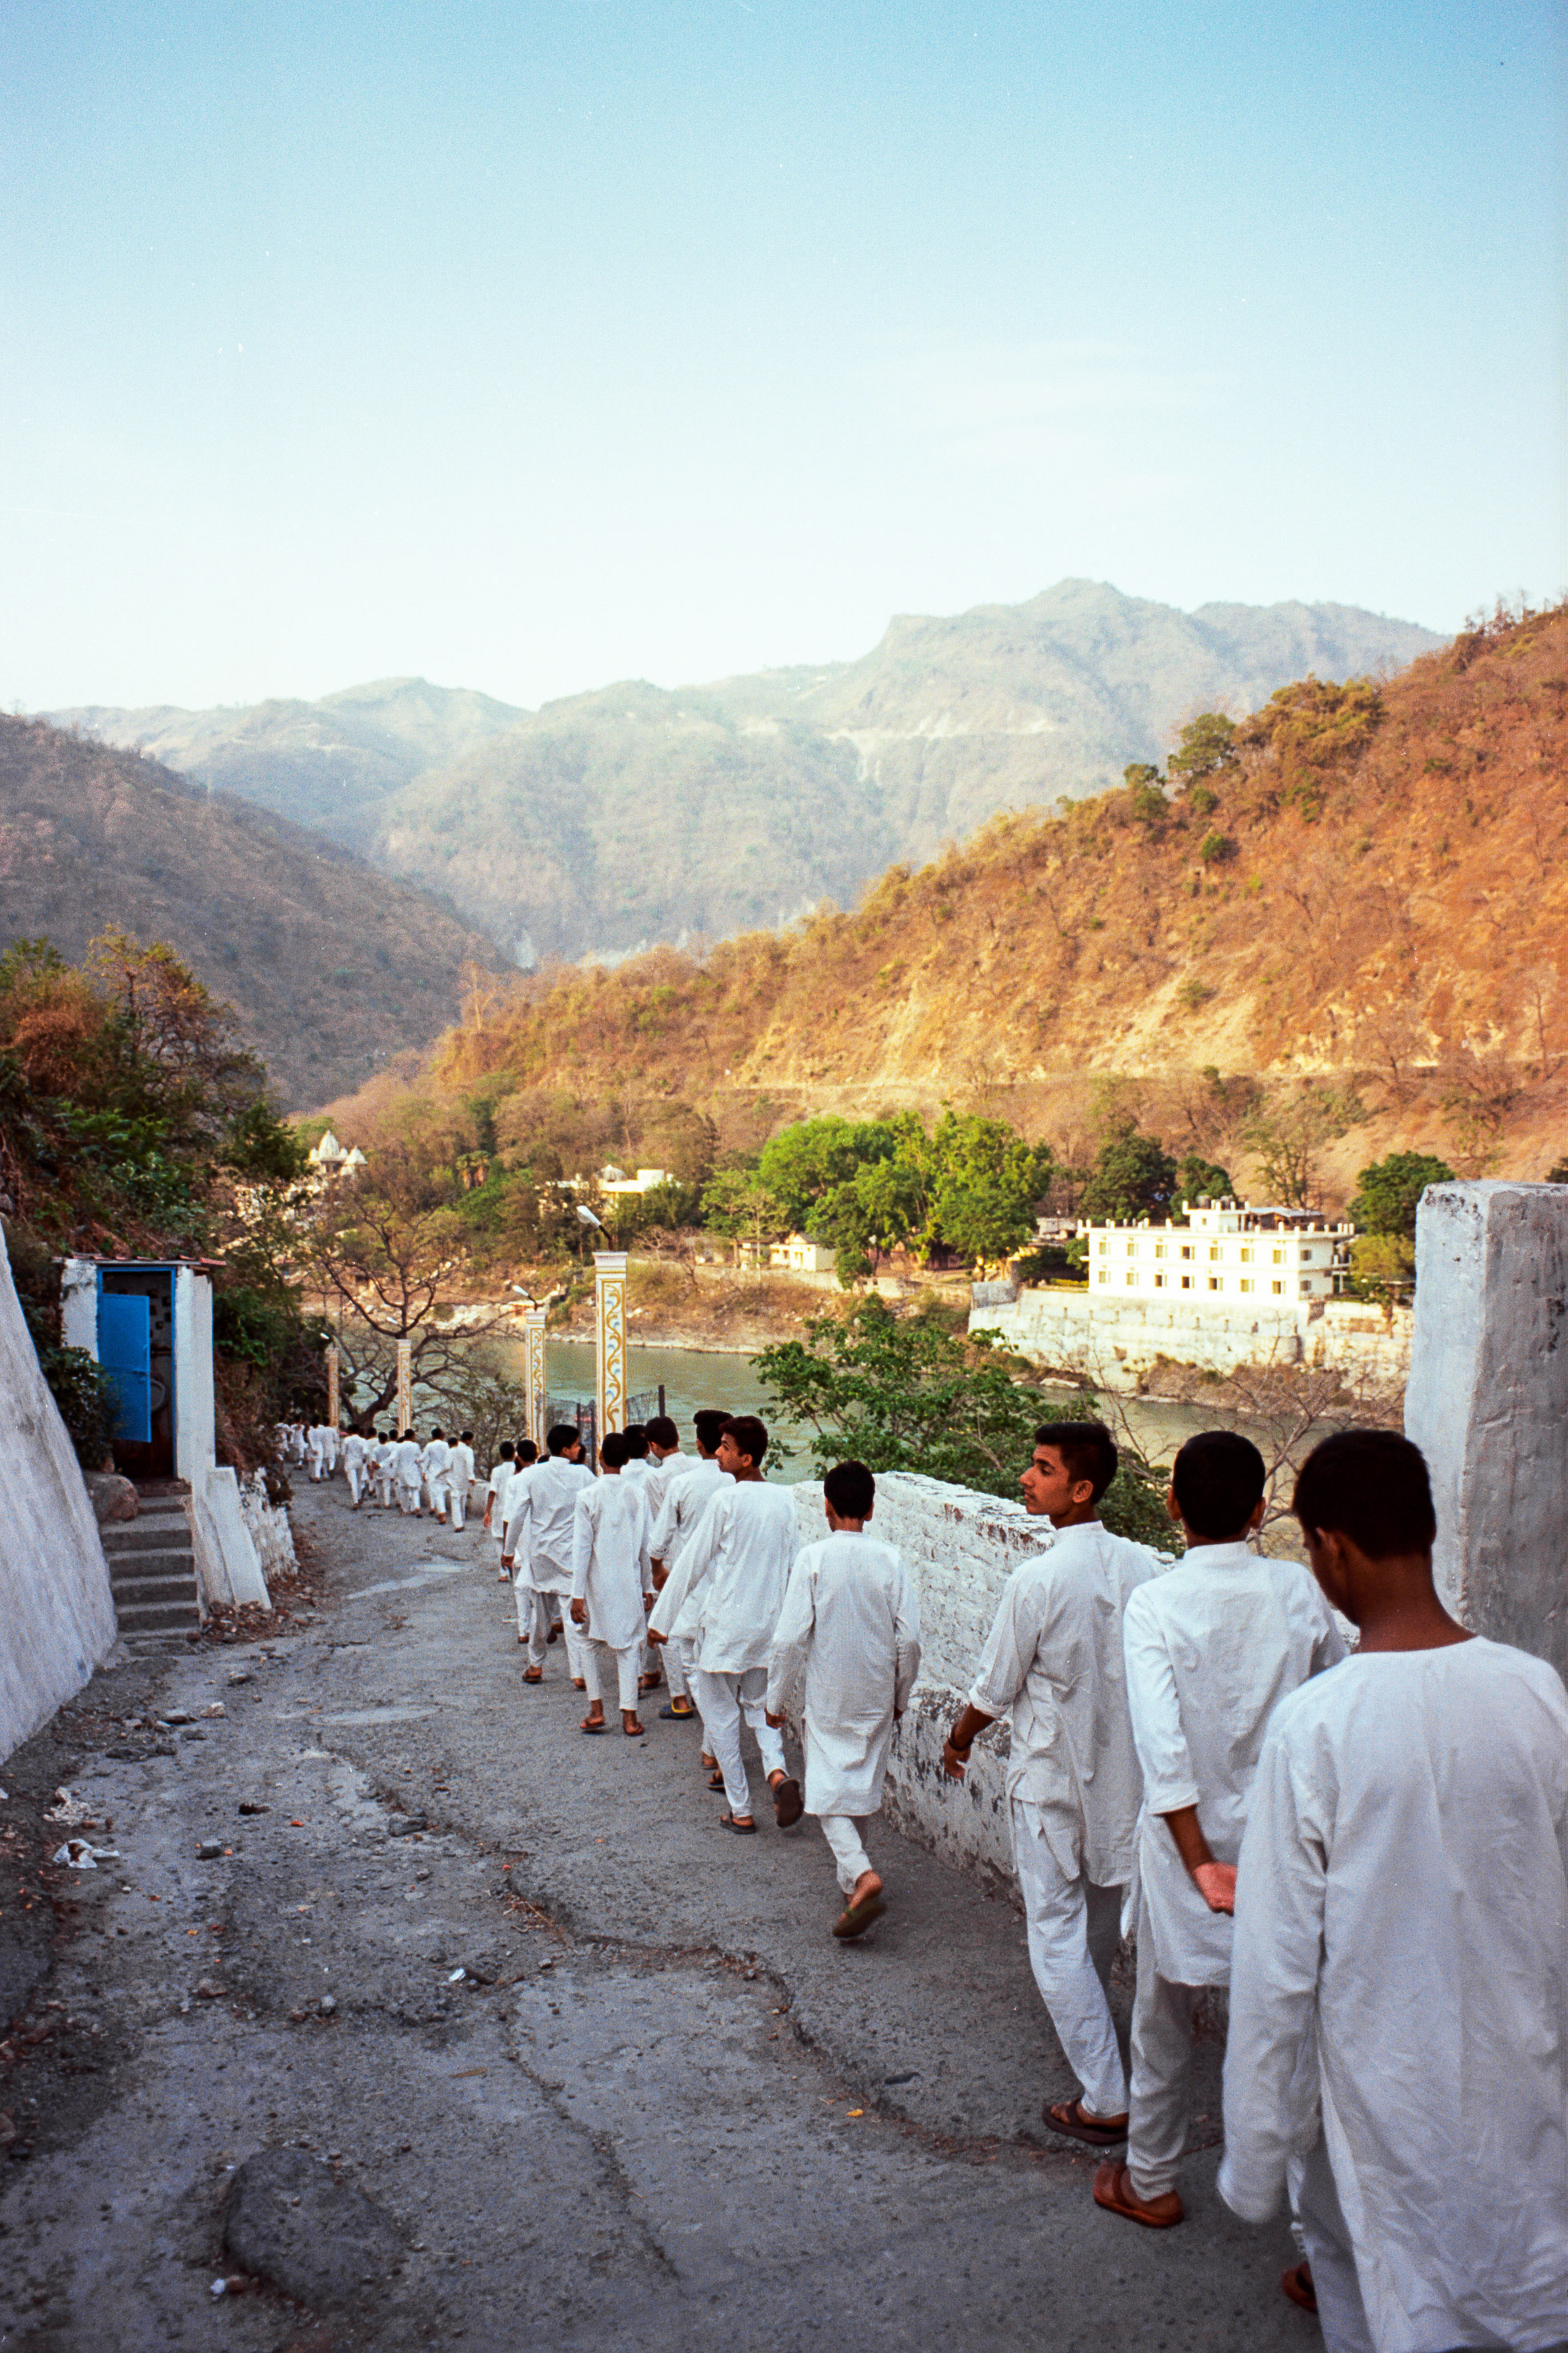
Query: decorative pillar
[610,1333]
[405,1386]
[333,1399]
[535,1401]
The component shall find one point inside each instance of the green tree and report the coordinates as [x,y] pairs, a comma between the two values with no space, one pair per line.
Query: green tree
[738,1205]
[1383,1267]
[1146,804]
[1132,1177]
[987,1183]
[1196,1177]
[1208,744]
[901,1393]
[1390,1189]
[1289,1140]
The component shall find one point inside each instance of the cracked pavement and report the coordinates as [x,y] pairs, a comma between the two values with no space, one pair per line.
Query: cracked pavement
[658,2107]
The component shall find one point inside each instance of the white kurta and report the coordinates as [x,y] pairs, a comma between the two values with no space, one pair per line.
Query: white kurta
[687,1495]
[609,1560]
[1053,1665]
[462,1468]
[408,1462]
[1212,1648]
[438,1460]
[502,1477]
[1404,1893]
[735,1570]
[850,1621]
[538,1508]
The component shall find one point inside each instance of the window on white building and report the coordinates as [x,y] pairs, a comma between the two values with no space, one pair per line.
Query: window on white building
[1131,1250]
[1186,1283]
[1308,1256]
[1158,1249]
[1131,1278]
[1214,1283]
[1186,1249]
[1245,1257]
[1214,1252]
[1277,1287]
[1159,1282]
[1305,1287]
[1246,1282]
[1104,1276]
[1278,1258]
[1104,1246]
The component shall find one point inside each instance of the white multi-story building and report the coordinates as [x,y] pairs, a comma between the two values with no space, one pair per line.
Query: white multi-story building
[1226,1254]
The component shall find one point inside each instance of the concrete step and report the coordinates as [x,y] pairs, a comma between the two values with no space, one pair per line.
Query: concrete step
[156,1617]
[168,1531]
[170,1560]
[130,1592]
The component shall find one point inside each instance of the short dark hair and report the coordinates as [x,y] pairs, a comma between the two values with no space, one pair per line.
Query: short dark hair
[662,1432]
[1086,1447]
[709,1424]
[436,1429]
[526,1450]
[565,1434]
[1371,1487]
[1218,1477]
[851,1489]
[616,1449]
[750,1438]
[636,1436]
[507,1450]
[465,1436]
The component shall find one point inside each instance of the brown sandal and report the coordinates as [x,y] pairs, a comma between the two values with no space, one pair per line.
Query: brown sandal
[1113,2189]
[533,1674]
[1297,2283]
[1100,2132]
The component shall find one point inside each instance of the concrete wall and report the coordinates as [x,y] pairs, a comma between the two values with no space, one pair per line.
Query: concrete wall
[270,1529]
[960,1548]
[1115,1342]
[57,1612]
[1488,1405]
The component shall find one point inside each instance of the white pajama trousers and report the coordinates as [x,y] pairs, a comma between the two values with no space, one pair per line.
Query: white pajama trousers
[1074,1929]
[676,1655]
[356,1481]
[721,1701]
[599,1659]
[534,1615]
[459,1501]
[849,1856]
[408,1499]
[384,1486]
[1341,2314]
[437,1491]
[1162,2071]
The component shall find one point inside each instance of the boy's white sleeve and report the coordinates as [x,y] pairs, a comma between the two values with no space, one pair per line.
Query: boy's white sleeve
[906,1639]
[645,1556]
[1282,1884]
[1169,1781]
[792,1636]
[519,1521]
[581,1547]
[1009,1651]
[661,1535]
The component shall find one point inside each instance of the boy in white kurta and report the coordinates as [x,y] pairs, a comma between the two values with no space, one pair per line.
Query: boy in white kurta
[850,1625]
[461,1478]
[1212,1648]
[1054,1667]
[537,1547]
[611,1583]
[355,1453]
[735,1573]
[437,1469]
[502,1472]
[687,1490]
[1401,1927]
[409,1463]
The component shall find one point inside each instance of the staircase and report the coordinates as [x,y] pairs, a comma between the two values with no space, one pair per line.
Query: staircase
[153,1572]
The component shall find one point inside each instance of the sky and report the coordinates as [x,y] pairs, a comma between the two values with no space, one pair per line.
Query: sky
[530,347]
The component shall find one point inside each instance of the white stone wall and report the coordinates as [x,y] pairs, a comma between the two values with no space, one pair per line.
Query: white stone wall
[960,1548]
[1115,1342]
[1488,1405]
[271,1531]
[57,1611]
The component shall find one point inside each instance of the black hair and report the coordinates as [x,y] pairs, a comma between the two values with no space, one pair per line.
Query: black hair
[709,1424]
[750,1436]
[435,1430]
[662,1432]
[526,1450]
[1218,1477]
[636,1436]
[507,1450]
[851,1489]
[1087,1447]
[614,1450]
[1371,1487]
[465,1438]
[565,1434]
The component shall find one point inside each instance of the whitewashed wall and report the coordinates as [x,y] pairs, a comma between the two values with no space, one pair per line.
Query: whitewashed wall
[57,1611]
[271,1531]
[1115,1342]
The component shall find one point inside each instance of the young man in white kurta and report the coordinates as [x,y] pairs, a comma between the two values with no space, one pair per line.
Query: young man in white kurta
[355,1453]
[611,1583]
[408,1461]
[1054,1667]
[1401,1927]
[317,1445]
[1212,1648]
[735,1573]
[437,1470]
[461,1477]
[687,1490]
[850,1626]
[379,1463]
[502,1472]
[537,1547]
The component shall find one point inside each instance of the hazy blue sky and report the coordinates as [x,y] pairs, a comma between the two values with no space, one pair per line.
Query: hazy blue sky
[531,346]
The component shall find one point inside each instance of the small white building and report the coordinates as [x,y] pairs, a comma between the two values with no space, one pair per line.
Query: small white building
[1228,1252]
[616,1180]
[801,1255]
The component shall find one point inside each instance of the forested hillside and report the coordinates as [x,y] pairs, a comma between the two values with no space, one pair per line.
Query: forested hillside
[332,970]
[634,815]
[1343,922]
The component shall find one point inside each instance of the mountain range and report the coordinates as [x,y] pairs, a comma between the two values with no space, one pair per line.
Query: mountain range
[605,821]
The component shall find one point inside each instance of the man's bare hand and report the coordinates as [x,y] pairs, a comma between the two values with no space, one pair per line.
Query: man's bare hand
[776,1721]
[506,1561]
[1216,1883]
[655,1636]
[954,1761]
[579,1613]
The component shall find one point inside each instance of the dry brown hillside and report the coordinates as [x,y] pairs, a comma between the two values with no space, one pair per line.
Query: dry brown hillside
[333,969]
[1368,893]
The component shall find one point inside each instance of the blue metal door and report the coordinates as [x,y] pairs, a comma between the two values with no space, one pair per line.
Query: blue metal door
[125,1351]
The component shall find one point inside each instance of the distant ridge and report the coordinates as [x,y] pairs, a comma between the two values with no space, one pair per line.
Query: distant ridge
[610,820]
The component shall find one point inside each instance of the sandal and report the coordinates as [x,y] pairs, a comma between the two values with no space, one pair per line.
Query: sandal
[533,1674]
[672,1711]
[742,1829]
[647,1683]
[788,1803]
[856,1918]
[588,1725]
[1100,2132]
[1297,2283]
[1113,2189]
[716,1780]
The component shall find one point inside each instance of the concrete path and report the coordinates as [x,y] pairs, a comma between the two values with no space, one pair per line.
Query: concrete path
[660,2106]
